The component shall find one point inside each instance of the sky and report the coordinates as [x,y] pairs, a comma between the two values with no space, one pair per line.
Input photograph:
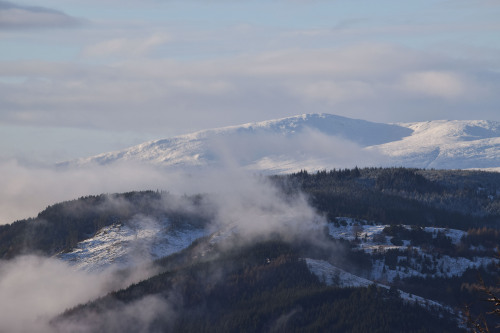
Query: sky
[82,77]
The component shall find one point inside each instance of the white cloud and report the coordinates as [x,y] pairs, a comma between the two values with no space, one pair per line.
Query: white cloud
[436,83]
[25,191]
[34,289]
[249,203]
[335,92]
[126,47]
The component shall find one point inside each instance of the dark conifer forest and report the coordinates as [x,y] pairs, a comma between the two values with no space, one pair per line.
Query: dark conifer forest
[251,294]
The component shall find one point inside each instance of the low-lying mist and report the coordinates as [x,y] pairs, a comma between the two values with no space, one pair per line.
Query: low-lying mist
[34,289]
[27,189]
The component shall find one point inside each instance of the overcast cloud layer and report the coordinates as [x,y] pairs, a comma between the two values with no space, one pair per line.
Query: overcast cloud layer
[158,69]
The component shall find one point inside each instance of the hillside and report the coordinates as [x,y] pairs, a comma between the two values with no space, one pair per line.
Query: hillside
[322,141]
[263,287]
[439,198]
[381,250]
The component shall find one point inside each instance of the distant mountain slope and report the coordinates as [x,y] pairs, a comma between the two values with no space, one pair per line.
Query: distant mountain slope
[317,141]
[443,144]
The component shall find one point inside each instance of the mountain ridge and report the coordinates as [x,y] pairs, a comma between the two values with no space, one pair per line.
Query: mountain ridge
[322,141]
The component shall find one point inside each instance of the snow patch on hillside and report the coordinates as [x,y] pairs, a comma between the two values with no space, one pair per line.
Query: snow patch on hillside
[334,276]
[445,266]
[126,244]
[331,275]
[371,239]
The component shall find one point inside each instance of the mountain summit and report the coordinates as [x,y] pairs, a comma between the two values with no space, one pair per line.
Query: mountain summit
[317,141]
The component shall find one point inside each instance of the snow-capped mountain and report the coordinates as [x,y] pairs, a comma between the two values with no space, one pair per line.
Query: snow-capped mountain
[318,141]
[445,144]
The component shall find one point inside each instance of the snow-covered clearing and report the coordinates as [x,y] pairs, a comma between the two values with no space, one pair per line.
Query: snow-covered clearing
[126,244]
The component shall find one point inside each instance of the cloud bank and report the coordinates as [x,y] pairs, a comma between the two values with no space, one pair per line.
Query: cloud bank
[26,190]
[34,289]
[369,81]
[13,16]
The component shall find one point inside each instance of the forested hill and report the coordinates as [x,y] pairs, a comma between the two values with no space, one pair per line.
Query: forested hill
[379,263]
[455,199]
[61,226]
[446,198]
[262,287]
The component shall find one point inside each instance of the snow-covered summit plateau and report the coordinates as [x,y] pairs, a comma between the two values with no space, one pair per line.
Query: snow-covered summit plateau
[323,141]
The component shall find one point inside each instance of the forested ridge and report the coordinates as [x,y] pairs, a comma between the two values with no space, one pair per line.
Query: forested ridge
[267,286]
[263,287]
[444,198]
[61,226]
[455,199]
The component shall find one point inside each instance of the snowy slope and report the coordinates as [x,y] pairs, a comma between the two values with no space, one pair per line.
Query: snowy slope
[331,275]
[447,145]
[335,276]
[317,141]
[138,241]
[142,239]
[444,266]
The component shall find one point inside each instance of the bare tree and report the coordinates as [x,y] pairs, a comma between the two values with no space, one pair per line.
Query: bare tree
[357,230]
[479,324]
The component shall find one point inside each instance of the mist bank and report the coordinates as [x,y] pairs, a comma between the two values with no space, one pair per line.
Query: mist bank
[207,165]
[34,289]
[250,205]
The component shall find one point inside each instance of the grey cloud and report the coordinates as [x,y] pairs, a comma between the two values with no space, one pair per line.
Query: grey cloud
[13,16]
[372,82]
